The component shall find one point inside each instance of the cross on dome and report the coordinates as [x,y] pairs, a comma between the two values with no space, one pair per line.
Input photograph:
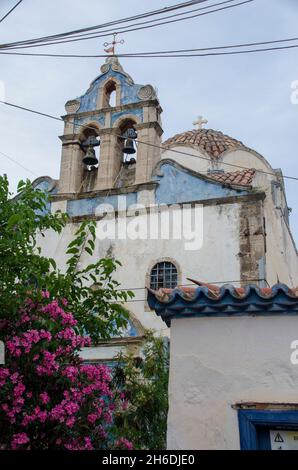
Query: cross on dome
[200,122]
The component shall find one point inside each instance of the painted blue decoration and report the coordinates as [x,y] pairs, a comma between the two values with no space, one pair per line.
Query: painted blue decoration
[47,185]
[129,90]
[79,122]
[177,184]
[88,206]
[138,112]
[254,426]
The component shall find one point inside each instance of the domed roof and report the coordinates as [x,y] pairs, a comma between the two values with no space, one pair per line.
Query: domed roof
[213,142]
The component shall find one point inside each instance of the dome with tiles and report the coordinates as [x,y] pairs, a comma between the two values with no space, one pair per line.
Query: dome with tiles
[214,143]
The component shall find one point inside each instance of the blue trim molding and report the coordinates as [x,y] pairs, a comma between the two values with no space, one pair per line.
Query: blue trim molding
[202,302]
[254,426]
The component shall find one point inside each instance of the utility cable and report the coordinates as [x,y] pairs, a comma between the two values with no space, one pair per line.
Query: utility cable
[14,47]
[10,11]
[161,147]
[111,23]
[174,53]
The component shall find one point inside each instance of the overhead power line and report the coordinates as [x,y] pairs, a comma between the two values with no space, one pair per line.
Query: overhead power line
[32,43]
[123,20]
[194,285]
[10,11]
[207,51]
[18,163]
[91,35]
[161,147]
[111,31]
[103,25]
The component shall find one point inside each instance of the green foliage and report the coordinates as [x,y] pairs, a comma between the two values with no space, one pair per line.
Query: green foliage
[144,382]
[91,292]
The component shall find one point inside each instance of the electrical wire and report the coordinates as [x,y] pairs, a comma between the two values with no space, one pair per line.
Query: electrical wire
[10,11]
[161,147]
[132,18]
[12,45]
[111,23]
[18,163]
[111,31]
[194,285]
[91,35]
[174,53]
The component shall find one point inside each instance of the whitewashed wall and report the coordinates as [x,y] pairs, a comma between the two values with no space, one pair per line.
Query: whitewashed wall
[218,362]
[215,261]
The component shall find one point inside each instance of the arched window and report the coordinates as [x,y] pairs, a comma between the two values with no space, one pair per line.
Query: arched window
[163,274]
[110,94]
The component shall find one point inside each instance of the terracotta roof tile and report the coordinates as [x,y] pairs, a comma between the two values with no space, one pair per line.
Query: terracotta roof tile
[215,291]
[213,142]
[207,299]
[240,178]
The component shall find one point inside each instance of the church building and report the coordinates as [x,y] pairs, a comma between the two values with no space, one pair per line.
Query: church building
[215,208]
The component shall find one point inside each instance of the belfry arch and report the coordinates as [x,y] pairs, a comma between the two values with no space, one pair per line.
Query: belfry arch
[110,94]
[136,108]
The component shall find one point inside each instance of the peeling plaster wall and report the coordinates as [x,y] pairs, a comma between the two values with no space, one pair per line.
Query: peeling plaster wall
[281,260]
[177,185]
[218,362]
[281,255]
[216,261]
[89,206]
[252,243]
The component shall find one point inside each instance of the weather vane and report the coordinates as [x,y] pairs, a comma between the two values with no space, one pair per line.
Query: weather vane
[111,50]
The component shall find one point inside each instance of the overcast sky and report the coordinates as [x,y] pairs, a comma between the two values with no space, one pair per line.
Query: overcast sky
[245,96]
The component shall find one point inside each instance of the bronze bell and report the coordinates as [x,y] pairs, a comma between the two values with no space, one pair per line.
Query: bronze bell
[129,147]
[90,157]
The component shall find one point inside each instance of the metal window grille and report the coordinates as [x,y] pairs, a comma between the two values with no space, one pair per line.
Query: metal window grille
[163,274]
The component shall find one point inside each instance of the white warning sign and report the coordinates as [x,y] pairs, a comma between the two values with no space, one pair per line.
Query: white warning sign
[284,440]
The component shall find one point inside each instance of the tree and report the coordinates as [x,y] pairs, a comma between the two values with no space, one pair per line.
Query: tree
[91,292]
[144,385]
[49,399]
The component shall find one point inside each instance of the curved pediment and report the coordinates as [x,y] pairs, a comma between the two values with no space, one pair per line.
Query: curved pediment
[180,184]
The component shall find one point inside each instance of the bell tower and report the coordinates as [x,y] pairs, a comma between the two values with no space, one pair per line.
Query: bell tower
[111,134]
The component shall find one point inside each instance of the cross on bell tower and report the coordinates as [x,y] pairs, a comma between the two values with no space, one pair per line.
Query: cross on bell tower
[199,123]
[111,50]
[96,119]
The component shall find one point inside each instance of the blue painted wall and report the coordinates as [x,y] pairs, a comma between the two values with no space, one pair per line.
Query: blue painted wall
[136,112]
[88,206]
[44,186]
[79,122]
[128,91]
[177,185]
